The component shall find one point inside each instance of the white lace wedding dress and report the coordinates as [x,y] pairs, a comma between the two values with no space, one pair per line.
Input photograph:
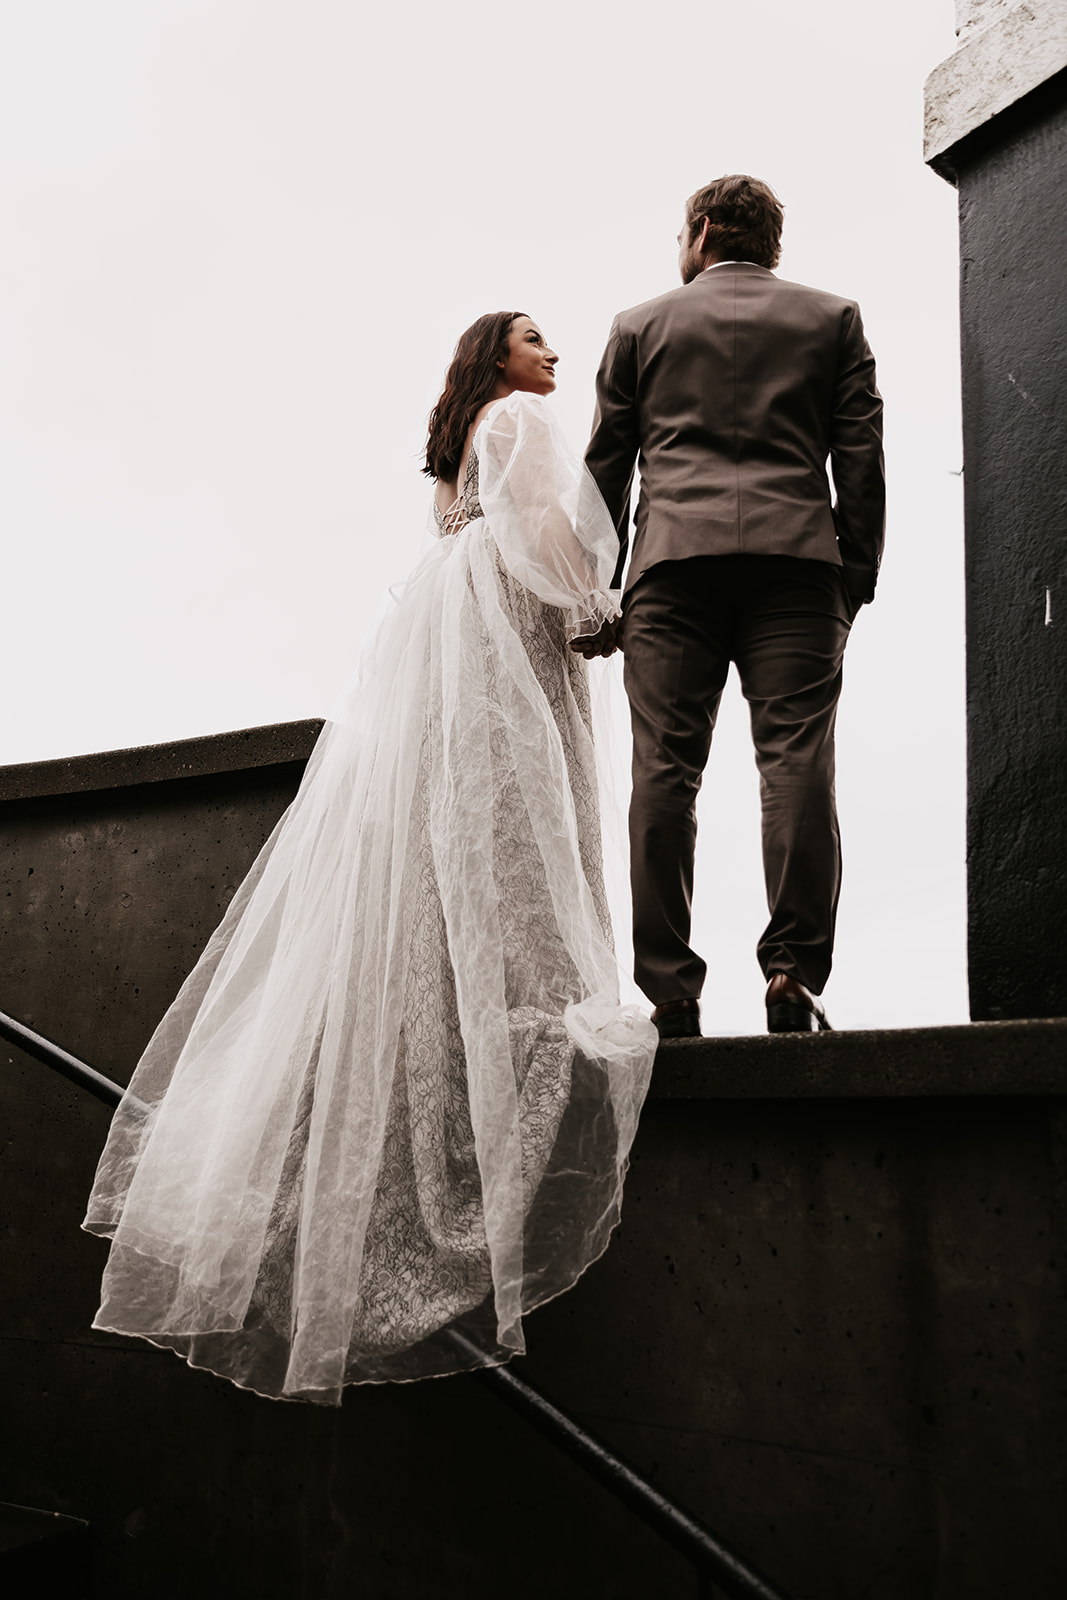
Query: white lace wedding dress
[394,1100]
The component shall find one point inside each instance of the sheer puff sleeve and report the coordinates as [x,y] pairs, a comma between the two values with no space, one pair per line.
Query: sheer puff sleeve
[545,512]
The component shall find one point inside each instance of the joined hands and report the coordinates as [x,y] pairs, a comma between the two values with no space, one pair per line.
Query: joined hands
[604,642]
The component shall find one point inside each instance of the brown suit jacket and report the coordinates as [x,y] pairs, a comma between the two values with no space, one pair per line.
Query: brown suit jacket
[730,394]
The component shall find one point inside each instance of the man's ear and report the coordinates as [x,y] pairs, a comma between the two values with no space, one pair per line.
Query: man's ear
[702,242]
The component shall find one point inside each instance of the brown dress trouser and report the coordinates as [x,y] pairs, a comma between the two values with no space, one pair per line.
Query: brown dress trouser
[784,622]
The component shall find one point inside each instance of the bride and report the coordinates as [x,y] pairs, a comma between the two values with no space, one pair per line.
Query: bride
[393,1102]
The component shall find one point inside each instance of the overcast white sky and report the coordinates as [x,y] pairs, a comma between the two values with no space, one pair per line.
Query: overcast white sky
[238,239]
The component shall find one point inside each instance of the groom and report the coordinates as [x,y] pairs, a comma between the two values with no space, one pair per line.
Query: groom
[730,393]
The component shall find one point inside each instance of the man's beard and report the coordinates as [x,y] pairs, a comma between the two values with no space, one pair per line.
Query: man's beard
[690,265]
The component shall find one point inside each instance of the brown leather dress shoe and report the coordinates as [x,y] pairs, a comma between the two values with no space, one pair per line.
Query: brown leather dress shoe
[678,1019]
[793,1009]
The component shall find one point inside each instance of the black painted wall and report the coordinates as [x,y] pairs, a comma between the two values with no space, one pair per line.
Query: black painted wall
[1013,246]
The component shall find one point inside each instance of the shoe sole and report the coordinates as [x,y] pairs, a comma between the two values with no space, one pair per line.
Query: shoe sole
[686,1028]
[785,1017]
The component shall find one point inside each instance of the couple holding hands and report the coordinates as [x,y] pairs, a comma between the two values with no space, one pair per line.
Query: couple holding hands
[396,1096]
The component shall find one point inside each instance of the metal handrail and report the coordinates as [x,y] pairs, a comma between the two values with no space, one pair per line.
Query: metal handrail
[61,1061]
[715,1562]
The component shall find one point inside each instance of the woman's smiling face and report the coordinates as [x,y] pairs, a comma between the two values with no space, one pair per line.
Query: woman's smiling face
[529,363]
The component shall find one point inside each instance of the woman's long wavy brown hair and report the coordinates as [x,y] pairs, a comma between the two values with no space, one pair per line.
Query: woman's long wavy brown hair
[469,383]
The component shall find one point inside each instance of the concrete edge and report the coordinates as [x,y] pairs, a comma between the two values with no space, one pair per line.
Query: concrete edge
[971,1059]
[239,751]
[989,72]
[974,1061]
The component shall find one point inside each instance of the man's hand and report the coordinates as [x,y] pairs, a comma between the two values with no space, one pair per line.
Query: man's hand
[604,642]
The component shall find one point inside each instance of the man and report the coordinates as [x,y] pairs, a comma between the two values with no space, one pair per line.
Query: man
[730,394]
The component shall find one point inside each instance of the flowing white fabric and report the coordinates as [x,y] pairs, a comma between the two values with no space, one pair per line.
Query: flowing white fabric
[395,1098]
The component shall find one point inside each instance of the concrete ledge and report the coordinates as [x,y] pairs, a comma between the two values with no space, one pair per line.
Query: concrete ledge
[978,1058]
[991,69]
[272,745]
[152,865]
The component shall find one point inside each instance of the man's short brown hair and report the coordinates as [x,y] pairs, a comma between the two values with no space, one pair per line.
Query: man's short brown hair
[745,217]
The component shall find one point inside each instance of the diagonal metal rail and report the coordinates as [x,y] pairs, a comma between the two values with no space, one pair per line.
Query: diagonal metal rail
[715,1562]
[61,1061]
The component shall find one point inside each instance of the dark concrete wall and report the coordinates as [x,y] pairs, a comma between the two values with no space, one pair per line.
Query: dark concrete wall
[116,867]
[832,1323]
[1012,181]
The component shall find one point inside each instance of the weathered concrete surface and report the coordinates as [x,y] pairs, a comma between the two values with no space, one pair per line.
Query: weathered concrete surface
[999,132]
[247,749]
[992,1058]
[832,1322]
[1004,52]
[117,865]
[971,15]
[1013,213]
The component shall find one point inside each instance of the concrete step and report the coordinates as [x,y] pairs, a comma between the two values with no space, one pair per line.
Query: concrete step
[42,1552]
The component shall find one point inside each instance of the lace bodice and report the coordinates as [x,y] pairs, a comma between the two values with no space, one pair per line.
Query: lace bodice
[466,506]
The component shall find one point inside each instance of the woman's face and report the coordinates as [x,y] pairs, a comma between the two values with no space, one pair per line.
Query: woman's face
[529,363]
